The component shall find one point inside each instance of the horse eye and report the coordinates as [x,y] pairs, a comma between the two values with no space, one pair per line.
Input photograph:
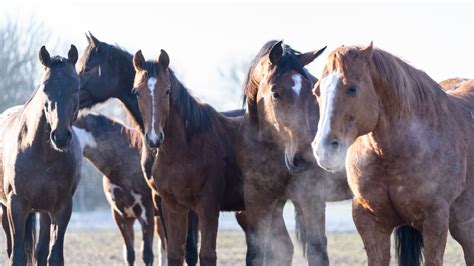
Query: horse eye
[168,92]
[351,90]
[275,95]
[135,93]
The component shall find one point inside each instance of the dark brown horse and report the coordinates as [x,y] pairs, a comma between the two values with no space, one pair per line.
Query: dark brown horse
[274,154]
[115,151]
[195,167]
[107,72]
[407,146]
[41,157]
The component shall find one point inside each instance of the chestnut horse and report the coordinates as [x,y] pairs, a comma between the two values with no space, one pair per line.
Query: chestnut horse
[41,157]
[195,167]
[274,154]
[407,147]
[115,151]
[107,72]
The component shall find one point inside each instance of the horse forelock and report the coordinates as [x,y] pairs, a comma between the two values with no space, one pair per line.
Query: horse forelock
[287,62]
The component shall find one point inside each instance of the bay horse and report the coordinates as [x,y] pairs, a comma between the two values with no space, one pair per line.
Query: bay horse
[41,157]
[106,72]
[274,154]
[115,151]
[195,167]
[407,147]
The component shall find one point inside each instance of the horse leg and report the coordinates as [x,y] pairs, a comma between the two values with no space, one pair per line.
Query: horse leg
[192,239]
[17,214]
[162,243]
[280,247]
[375,235]
[59,221]
[314,220]
[125,226]
[208,223]
[148,228]
[259,208]
[42,248]
[176,218]
[461,224]
[6,230]
[435,235]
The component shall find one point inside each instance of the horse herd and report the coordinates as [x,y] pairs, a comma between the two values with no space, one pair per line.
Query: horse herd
[372,129]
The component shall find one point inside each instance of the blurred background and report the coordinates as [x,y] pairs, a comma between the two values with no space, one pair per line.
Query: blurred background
[211,44]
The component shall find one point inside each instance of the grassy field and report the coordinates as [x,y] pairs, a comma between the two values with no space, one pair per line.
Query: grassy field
[103,247]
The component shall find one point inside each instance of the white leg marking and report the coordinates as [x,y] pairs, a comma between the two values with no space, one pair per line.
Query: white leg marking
[86,139]
[297,86]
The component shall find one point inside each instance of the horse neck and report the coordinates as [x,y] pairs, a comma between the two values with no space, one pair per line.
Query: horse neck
[401,117]
[125,85]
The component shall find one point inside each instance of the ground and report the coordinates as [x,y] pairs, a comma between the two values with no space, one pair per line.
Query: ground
[103,247]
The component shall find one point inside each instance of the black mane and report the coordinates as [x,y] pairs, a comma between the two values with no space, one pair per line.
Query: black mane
[198,116]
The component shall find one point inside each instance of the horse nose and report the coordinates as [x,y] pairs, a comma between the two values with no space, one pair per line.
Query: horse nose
[297,164]
[61,139]
[153,140]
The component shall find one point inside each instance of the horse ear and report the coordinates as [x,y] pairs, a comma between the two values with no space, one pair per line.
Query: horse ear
[368,51]
[309,57]
[72,55]
[138,60]
[44,56]
[93,40]
[164,59]
[276,52]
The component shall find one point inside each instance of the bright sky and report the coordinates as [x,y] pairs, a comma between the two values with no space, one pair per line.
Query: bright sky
[203,37]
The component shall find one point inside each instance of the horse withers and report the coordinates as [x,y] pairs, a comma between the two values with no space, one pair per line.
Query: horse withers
[41,157]
[407,147]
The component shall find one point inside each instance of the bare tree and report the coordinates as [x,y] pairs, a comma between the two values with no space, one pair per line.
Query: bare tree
[19,67]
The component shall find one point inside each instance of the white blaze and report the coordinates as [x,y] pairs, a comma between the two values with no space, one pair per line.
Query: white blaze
[85,137]
[327,90]
[151,86]
[297,86]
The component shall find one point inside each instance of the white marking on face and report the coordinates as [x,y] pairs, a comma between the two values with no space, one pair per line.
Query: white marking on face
[151,87]
[327,89]
[86,139]
[297,86]
[100,71]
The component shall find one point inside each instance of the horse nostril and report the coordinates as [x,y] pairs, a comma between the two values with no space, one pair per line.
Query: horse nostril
[68,134]
[335,144]
[53,135]
[161,137]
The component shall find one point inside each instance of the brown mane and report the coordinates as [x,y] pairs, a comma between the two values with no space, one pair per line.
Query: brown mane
[409,89]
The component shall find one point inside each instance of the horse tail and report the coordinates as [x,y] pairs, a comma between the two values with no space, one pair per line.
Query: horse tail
[192,239]
[409,246]
[300,230]
[30,237]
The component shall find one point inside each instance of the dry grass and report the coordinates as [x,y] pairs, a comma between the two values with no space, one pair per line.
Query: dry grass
[103,247]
